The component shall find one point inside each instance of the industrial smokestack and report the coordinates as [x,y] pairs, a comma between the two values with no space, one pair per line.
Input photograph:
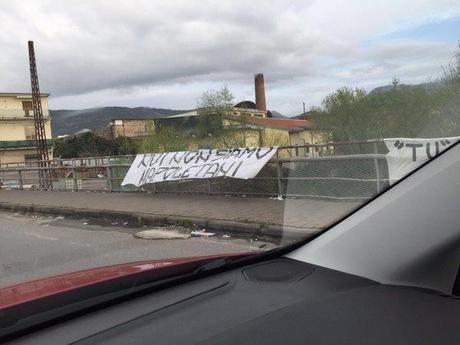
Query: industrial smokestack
[260,92]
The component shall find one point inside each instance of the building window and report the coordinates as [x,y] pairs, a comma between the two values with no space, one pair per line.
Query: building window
[31,158]
[30,133]
[28,108]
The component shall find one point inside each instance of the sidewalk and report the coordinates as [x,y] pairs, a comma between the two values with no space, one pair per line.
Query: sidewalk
[215,212]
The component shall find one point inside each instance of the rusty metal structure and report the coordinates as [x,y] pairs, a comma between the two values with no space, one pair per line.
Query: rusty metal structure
[40,134]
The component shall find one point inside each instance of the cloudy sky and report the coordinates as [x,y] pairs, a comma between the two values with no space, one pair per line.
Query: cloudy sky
[166,53]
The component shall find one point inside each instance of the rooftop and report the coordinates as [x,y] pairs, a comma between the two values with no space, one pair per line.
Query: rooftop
[283,124]
[21,94]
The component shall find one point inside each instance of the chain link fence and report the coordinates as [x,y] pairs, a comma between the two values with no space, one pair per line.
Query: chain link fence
[355,171]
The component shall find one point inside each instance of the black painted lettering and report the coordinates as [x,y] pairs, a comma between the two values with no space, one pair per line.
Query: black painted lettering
[151,175]
[202,168]
[188,159]
[185,173]
[163,158]
[248,152]
[161,170]
[235,153]
[152,157]
[142,162]
[237,168]
[212,170]
[428,150]
[223,171]
[260,155]
[142,179]
[155,158]
[219,154]
[204,156]
[414,150]
[170,171]
[177,157]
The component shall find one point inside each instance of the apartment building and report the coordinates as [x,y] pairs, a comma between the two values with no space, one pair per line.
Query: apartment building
[17,130]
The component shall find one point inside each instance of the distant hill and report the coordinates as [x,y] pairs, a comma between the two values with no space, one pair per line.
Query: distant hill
[380,90]
[277,114]
[71,121]
[428,86]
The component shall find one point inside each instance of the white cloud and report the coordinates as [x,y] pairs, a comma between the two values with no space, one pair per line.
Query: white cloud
[166,53]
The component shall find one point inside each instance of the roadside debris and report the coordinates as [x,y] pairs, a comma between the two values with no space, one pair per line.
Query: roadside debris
[226,236]
[202,233]
[161,234]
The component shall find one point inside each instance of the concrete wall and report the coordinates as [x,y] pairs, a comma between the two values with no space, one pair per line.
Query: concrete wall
[14,102]
[132,128]
[104,132]
[21,129]
[305,137]
[19,155]
[274,137]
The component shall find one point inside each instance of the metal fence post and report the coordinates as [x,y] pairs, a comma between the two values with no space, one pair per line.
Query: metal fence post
[209,186]
[50,174]
[74,180]
[279,173]
[21,184]
[377,167]
[108,173]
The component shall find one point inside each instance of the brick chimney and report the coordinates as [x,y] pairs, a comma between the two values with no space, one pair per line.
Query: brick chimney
[260,92]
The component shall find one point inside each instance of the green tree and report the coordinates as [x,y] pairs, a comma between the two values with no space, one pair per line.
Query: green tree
[426,110]
[345,116]
[90,145]
[164,139]
[125,146]
[448,115]
[213,106]
[404,111]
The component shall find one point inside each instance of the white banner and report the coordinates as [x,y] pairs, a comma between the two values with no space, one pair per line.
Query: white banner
[406,154]
[241,163]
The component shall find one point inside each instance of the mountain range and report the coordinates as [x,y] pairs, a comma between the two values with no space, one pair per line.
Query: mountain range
[71,121]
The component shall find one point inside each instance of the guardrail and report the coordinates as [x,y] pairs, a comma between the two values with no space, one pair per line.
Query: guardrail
[308,150]
[338,177]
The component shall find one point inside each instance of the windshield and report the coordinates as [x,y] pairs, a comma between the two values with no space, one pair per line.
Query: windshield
[145,130]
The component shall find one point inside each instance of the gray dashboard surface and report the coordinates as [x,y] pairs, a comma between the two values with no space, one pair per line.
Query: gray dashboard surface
[277,301]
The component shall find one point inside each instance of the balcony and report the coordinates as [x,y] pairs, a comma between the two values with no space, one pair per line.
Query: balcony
[20,114]
[21,144]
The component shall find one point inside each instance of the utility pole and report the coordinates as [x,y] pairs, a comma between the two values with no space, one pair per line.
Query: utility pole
[40,134]
[304,108]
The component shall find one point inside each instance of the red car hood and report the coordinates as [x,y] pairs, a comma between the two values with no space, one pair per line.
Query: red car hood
[34,290]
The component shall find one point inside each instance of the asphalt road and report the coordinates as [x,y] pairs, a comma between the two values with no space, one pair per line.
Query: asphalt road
[34,246]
